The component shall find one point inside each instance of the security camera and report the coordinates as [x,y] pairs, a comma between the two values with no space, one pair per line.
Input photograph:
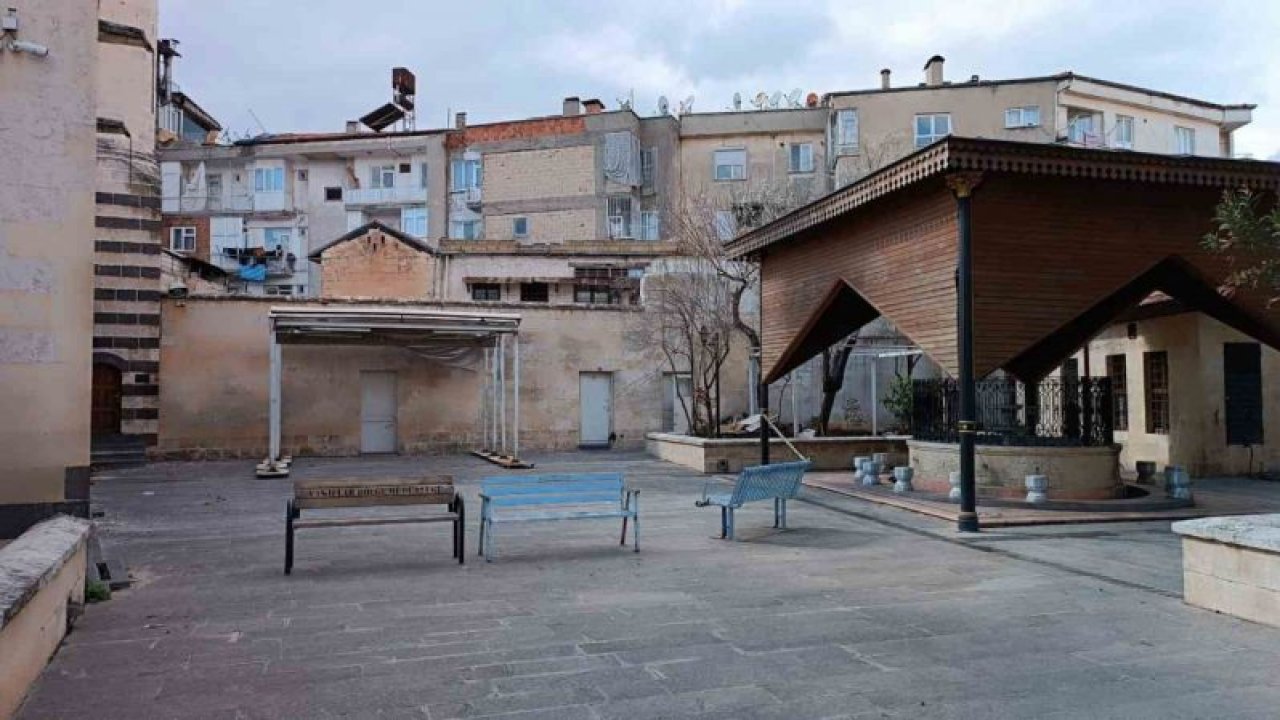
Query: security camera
[178,291]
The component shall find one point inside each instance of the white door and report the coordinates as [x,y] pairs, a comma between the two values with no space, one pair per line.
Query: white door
[377,412]
[595,397]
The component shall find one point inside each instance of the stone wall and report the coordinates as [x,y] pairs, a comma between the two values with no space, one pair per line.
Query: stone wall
[377,265]
[730,455]
[1075,473]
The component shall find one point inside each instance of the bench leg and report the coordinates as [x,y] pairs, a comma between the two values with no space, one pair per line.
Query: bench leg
[777,513]
[624,531]
[724,522]
[635,531]
[288,538]
[460,528]
[782,513]
[488,541]
[731,528]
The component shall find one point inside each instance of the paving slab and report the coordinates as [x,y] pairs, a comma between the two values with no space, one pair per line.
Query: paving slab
[858,611]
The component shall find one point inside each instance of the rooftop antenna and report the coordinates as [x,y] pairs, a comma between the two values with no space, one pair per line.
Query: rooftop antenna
[737,101]
[261,127]
[774,99]
[686,105]
[793,98]
[760,101]
[664,107]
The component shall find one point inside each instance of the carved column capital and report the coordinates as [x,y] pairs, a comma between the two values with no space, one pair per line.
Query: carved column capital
[963,183]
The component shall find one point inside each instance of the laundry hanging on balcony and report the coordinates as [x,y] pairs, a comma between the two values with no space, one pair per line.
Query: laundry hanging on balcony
[622,158]
[254,272]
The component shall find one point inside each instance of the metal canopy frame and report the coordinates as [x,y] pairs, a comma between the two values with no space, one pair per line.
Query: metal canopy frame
[495,335]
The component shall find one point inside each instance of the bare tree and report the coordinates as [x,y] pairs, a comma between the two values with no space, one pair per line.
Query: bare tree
[835,360]
[873,155]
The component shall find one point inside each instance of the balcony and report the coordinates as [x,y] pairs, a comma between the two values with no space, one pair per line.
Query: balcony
[397,195]
[278,265]
[208,203]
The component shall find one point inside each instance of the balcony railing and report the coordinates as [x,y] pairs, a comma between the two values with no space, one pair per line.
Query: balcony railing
[1051,412]
[399,194]
[208,203]
[278,264]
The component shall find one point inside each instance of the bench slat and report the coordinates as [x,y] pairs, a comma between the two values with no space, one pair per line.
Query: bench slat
[549,478]
[573,515]
[354,522]
[551,489]
[563,499]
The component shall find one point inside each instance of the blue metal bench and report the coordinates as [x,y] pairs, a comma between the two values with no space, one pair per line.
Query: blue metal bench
[779,482]
[568,496]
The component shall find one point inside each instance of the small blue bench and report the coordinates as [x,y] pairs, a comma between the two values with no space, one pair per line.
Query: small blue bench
[779,482]
[569,496]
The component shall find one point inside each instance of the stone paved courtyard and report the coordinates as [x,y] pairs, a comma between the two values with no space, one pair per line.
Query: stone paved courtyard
[858,611]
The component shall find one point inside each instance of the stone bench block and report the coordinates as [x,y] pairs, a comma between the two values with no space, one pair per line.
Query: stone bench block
[1232,565]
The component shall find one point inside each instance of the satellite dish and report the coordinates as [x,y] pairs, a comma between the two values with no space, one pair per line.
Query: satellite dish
[774,99]
[686,105]
[793,98]
[760,101]
[737,101]
[664,107]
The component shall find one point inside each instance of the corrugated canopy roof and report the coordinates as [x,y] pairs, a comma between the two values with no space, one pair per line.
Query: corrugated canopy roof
[387,325]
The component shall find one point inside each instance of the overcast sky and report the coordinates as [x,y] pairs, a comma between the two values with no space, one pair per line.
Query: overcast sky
[313,64]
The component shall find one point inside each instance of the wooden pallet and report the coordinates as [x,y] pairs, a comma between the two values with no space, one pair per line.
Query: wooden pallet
[503,461]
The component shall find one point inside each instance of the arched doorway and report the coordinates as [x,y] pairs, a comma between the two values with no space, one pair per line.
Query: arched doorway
[107,400]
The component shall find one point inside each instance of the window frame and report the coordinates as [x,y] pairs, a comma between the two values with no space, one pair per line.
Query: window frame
[648,165]
[593,295]
[188,232]
[379,174]
[1155,382]
[731,175]
[529,292]
[627,229]
[933,135]
[477,290]
[454,225]
[516,231]
[465,174]
[333,193]
[268,179]
[650,226]
[1022,112]
[796,158]
[1117,367]
[845,144]
[415,213]
[1180,132]
[1122,121]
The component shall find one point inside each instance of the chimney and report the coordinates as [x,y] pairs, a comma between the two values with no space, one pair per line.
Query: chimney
[933,71]
[353,127]
[572,106]
[593,106]
[460,121]
[884,79]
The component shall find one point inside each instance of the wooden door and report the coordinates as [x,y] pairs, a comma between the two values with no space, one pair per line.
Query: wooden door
[106,403]
[1242,386]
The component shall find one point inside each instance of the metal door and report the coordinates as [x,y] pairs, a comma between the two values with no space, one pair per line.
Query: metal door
[595,397]
[1242,386]
[377,412]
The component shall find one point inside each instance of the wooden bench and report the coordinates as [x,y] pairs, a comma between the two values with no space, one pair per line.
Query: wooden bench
[572,496]
[351,493]
[779,482]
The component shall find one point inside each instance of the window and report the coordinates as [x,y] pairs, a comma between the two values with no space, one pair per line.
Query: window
[1242,393]
[1155,369]
[726,226]
[801,158]
[466,174]
[620,217]
[1082,127]
[382,176]
[1184,140]
[649,225]
[214,182]
[1124,132]
[534,292]
[594,295]
[182,239]
[268,179]
[422,175]
[520,227]
[302,175]
[332,194]
[931,128]
[486,292]
[647,159]
[406,168]
[1118,372]
[277,239]
[464,229]
[730,165]
[413,221]
[281,290]
[1022,117]
[847,131]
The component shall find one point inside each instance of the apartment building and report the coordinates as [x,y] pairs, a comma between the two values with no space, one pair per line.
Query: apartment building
[871,128]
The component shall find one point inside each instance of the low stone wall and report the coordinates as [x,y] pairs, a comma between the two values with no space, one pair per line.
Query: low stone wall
[42,574]
[1075,473]
[730,455]
[1232,565]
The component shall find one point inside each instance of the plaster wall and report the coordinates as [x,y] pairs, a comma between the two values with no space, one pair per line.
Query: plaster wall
[46,250]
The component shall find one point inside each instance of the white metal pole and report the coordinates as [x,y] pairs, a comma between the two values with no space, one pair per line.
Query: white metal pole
[484,401]
[273,411]
[515,425]
[875,398]
[795,413]
[502,389]
[493,396]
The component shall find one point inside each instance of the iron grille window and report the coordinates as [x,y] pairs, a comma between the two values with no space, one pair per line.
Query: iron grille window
[595,295]
[1118,371]
[534,292]
[487,292]
[1155,368]
[620,218]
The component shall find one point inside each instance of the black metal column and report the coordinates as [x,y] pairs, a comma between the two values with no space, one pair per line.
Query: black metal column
[968,425]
